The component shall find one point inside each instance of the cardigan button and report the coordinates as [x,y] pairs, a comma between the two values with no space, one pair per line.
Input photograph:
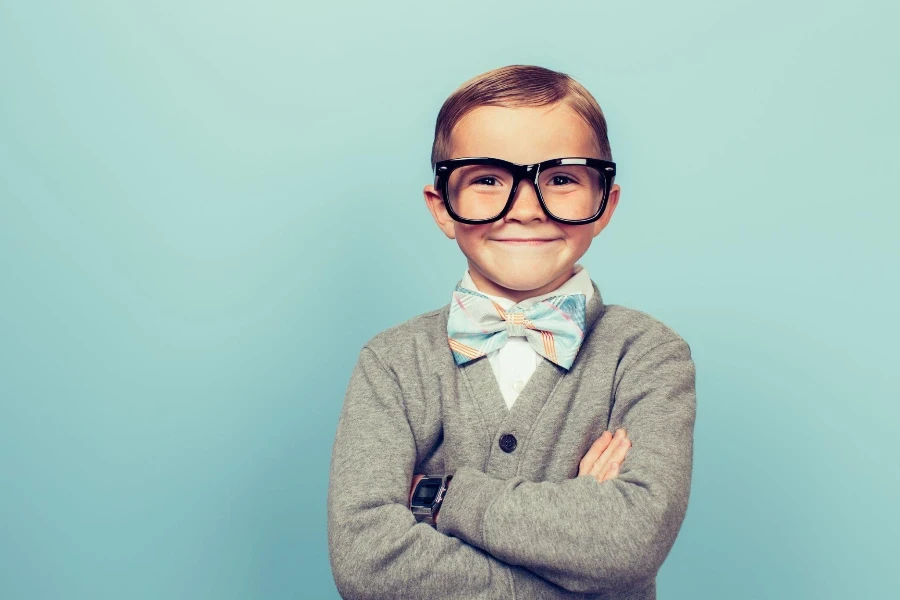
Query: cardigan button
[507,442]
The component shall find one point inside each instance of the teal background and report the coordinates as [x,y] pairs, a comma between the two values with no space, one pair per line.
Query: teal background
[207,208]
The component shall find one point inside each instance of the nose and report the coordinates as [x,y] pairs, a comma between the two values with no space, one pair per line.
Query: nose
[526,205]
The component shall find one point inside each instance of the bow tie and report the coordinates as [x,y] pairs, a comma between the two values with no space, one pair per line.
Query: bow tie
[477,326]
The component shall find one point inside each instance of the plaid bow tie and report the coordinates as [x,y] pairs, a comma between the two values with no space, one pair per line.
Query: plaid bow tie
[477,326]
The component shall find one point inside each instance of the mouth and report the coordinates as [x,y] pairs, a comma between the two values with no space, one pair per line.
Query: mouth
[527,241]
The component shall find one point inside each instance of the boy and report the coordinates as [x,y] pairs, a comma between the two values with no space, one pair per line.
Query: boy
[504,392]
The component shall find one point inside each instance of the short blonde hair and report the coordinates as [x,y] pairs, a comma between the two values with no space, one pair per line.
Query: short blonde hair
[515,86]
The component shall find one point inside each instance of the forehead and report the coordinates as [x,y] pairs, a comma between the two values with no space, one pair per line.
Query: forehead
[523,135]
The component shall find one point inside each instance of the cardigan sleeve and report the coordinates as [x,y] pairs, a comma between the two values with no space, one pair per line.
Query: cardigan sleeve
[376,547]
[581,534]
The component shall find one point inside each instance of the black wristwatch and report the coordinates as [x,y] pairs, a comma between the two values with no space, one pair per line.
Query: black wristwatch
[427,497]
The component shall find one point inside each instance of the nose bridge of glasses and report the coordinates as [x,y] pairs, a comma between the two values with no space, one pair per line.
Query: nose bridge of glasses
[525,176]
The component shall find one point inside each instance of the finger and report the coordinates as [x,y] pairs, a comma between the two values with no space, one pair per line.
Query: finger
[612,471]
[603,459]
[594,452]
[617,457]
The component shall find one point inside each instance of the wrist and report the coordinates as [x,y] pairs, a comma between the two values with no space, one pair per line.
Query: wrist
[427,497]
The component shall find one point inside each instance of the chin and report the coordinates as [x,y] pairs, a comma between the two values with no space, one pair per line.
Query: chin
[525,283]
[519,273]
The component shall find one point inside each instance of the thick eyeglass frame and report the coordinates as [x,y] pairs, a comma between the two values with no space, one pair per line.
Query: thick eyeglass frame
[443,168]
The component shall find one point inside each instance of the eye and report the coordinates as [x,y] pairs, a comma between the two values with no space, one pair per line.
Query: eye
[489,178]
[563,178]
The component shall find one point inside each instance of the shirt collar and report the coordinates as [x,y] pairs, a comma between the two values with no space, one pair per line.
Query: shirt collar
[579,282]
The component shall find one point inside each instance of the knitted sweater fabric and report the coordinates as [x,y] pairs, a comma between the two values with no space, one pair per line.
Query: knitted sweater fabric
[517,521]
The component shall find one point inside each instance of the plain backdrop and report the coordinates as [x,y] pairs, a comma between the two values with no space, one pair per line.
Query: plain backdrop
[207,208]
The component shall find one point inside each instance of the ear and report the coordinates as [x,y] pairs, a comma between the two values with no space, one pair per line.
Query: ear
[435,203]
[611,204]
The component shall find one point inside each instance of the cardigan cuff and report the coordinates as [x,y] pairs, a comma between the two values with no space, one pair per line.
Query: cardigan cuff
[465,503]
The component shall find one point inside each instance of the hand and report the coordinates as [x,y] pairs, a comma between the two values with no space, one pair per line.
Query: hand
[605,455]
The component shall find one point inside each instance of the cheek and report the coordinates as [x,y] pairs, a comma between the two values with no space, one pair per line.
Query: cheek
[471,236]
[578,235]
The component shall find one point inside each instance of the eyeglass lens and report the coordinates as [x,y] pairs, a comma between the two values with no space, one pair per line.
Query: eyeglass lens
[571,192]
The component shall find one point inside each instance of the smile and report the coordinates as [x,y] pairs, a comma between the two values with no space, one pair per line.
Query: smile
[526,242]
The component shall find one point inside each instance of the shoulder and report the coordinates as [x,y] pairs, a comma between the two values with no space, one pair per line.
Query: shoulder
[636,332]
[413,342]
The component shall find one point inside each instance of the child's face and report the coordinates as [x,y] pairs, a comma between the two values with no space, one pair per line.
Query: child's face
[522,135]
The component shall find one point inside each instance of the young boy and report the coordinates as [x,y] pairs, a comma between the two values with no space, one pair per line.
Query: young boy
[501,395]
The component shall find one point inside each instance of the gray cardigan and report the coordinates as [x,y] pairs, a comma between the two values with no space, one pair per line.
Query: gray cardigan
[519,522]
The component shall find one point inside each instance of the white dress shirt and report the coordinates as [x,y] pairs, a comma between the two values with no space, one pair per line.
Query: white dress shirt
[515,361]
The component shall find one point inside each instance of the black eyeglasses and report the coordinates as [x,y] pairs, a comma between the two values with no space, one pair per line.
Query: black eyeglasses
[572,190]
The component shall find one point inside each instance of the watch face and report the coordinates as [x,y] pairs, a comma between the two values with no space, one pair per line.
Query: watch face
[425,492]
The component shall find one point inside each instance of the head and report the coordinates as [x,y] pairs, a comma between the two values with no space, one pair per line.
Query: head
[523,114]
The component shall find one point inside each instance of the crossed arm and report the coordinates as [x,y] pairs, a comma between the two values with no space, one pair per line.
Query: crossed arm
[375,549]
[601,460]
[606,535]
